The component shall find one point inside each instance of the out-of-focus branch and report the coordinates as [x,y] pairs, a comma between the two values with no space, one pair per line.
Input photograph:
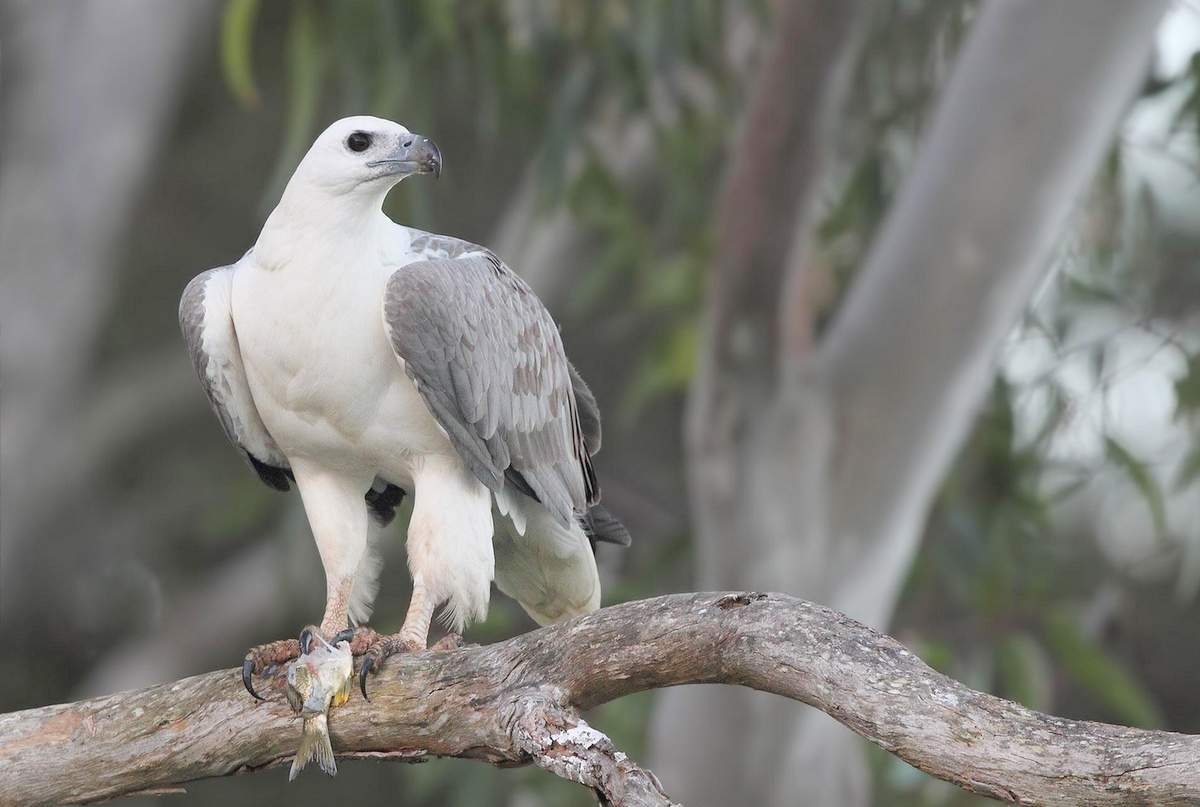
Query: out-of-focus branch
[517,702]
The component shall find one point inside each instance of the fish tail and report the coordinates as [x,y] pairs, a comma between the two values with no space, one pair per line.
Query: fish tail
[314,744]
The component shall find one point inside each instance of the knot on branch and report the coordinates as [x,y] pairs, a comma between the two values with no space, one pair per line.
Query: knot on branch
[739,600]
[558,740]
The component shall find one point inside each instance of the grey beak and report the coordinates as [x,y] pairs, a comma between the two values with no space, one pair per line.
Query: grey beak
[415,154]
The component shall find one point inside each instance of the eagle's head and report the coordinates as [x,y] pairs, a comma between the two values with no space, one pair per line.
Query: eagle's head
[366,155]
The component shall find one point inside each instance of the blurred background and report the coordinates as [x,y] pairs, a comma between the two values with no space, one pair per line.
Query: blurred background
[1047,547]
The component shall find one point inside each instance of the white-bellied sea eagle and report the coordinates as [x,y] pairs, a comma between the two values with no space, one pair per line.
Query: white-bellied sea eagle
[364,360]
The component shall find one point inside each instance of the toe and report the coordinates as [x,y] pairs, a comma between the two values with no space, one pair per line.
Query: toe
[368,663]
[262,658]
[451,641]
[248,676]
[307,636]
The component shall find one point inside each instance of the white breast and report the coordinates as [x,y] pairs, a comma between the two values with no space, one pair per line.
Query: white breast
[323,376]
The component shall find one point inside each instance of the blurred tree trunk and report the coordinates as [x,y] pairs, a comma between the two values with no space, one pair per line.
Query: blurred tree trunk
[812,468]
[88,92]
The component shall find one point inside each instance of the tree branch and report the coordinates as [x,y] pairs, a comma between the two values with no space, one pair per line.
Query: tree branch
[517,702]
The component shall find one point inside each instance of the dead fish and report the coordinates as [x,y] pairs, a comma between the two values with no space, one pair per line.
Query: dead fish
[318,680]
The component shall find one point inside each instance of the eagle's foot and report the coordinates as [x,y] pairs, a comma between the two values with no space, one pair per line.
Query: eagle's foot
[361,639]
[270,656]
[266,657]
[384,648]
[396,644]
[451,641]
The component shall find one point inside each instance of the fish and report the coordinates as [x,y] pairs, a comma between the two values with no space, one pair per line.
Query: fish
[320,679]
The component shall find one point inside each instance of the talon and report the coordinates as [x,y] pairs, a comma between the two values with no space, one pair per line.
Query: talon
[247,677]
[306,640]
[367,664]
[346,635]
[451,641]
[263,660]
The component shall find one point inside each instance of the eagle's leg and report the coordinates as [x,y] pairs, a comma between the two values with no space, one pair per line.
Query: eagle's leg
[412,637]
[450,556]
[334,505]
[264,656]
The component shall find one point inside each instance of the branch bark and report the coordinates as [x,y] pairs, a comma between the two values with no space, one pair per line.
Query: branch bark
[518,702]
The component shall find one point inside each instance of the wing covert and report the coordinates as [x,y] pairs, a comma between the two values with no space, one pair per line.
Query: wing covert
[488,360]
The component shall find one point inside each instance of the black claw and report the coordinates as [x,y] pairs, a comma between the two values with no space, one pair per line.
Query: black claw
[306,640]
[247,676]
[367,664]
[346,635]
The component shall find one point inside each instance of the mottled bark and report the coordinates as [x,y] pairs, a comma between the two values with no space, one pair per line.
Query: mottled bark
[518,702]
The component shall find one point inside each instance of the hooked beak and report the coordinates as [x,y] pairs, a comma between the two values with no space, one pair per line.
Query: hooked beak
[415,154]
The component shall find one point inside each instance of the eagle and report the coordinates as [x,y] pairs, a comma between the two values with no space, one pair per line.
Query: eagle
[364,361]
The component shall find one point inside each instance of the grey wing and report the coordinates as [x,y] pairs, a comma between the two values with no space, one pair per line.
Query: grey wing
[487,358]
[589,411]
[206,319]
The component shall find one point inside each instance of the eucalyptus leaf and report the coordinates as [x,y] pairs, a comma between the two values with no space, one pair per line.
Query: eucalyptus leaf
[1187,390]
[237,49]
[1025,671]
[305,59]
[1142,478]
[1103,677]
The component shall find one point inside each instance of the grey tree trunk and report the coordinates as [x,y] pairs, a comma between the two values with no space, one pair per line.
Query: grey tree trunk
[88,88]
[823,462]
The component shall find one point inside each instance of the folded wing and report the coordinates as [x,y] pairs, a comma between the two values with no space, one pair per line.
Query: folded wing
[206,319]
[487,358]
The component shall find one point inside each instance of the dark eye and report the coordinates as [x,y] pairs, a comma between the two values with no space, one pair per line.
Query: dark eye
[359,141]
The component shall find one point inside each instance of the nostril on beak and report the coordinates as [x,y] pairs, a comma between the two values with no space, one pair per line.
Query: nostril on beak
[408,144]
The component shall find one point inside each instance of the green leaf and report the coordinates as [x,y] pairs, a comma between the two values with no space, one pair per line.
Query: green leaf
[1102,676]
[305,58]
[1187,390]
[1189,472]
[1025,672]
[237,49]
[937,654]
[1088,291]
[666,369]
[1143,480]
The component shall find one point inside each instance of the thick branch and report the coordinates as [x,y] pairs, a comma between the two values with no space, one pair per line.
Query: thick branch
[515,703]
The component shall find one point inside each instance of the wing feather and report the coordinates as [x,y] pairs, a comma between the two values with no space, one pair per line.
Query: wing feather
[487,357]
[206,319]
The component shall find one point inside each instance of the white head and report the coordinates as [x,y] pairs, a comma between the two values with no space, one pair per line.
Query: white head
[364,157]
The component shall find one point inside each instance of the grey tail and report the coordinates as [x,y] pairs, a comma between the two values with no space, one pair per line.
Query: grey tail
[314,744]
[601,526]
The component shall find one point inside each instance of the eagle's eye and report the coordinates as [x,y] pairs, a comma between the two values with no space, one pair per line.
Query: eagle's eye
[358,141]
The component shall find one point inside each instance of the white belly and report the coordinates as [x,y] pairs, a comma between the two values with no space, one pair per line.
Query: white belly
[323,375]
